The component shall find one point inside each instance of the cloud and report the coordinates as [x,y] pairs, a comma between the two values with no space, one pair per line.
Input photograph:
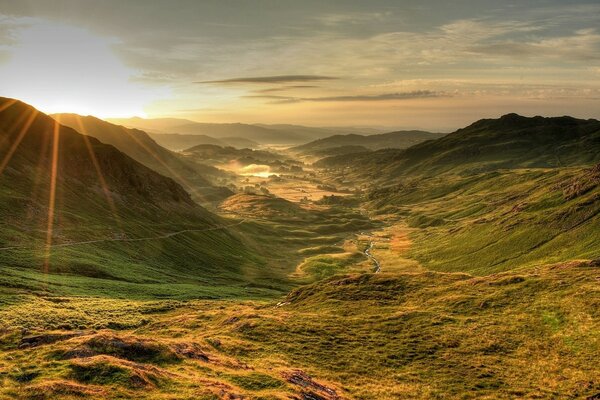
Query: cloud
[417,94]
[272,79]
[352,18]
[284,88]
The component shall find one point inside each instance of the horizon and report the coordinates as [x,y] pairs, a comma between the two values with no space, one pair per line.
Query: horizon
[404,65]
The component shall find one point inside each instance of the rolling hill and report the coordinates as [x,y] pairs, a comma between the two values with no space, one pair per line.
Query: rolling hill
[255,133]
[396,140]
[217,155]
[178,142]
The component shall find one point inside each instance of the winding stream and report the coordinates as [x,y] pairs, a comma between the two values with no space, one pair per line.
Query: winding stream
[372,257]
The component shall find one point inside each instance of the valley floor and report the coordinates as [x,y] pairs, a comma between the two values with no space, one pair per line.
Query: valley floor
[365,317]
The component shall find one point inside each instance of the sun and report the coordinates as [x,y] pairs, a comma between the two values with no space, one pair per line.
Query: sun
[61,68]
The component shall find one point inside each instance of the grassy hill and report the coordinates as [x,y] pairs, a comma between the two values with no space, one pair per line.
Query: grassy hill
[177,142]
[231,158]
[81,217]
[392,140]
[511,141]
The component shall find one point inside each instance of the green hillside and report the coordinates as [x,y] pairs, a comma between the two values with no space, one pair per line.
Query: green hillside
[511,141]
[107,226]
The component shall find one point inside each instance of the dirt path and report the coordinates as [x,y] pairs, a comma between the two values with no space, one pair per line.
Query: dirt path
[165,236]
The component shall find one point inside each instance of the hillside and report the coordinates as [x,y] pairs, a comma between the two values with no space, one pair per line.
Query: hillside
[178,142]
[497,221]
[213,154]
[197,178]
[102,223]
[396,140]
[511,141]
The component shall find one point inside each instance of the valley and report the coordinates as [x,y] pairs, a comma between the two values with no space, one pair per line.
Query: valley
[427,266]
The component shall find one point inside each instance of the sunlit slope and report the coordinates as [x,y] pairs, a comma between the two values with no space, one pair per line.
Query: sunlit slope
[496,221]
[118,227]
[511,141]
[197,178]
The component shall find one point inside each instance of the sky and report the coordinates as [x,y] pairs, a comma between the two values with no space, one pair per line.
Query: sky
[435,65]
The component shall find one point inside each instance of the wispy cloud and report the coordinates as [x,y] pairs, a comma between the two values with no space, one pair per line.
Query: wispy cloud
[285,88]
[417,94]
[336,19]
[272,79]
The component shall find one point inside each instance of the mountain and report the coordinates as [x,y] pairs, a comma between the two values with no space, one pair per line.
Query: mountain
[500,194]
[252,132]
[100,222]
[312,132]
[177,142]
[280,134]
[218,131]
[511,141]
[196,177]
[397,140]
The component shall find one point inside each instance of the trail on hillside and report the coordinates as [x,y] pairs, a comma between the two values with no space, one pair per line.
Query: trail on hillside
[159,237]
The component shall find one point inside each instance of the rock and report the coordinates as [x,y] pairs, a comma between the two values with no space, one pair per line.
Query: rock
[312,390]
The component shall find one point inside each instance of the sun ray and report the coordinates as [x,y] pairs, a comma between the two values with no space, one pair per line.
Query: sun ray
[98,168]
[52,197]
[7,104]
[18,140]
[170,170]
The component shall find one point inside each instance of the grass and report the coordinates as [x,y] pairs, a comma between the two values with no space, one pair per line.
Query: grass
[526,333]
[497,221]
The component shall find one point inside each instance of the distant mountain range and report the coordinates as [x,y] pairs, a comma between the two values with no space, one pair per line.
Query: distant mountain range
[280,134]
